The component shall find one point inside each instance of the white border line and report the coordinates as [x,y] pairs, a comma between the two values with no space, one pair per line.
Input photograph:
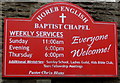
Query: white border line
[116,52]
[62,75]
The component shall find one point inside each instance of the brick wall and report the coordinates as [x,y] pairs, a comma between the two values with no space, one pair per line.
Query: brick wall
[100,11]
[1,40]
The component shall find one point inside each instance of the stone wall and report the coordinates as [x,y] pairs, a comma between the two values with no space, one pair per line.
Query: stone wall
[100,11]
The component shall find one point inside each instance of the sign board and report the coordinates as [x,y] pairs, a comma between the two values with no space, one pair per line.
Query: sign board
[59,40]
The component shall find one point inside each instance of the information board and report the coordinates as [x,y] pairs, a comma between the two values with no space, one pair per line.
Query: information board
[59,40]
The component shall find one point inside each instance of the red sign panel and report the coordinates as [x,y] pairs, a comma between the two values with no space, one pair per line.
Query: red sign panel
[59,40]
